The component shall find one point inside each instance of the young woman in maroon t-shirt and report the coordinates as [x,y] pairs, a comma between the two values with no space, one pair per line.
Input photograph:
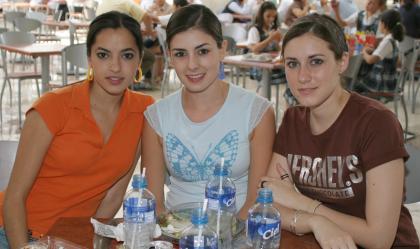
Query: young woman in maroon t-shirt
[343,152]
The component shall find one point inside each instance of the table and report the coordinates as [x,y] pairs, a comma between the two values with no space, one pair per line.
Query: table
[66,25]
[79,230]
[43,50]
[266,66]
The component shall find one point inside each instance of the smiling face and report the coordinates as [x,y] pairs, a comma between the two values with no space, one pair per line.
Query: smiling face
[114,59]
[196,59]
[312,72]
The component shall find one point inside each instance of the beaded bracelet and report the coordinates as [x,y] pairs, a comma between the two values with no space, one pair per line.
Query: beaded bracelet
[294,221]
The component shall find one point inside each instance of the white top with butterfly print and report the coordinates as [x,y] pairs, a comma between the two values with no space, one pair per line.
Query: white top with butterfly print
[193,149]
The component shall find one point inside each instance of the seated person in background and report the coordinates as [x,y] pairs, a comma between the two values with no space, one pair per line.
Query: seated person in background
[410,15]
[379,69]
[177,4]
[188,132]
[265,36]
[159,8]
[338,164]
[366,20]
[242,9]
[297,9]
[80,144]
[132,9]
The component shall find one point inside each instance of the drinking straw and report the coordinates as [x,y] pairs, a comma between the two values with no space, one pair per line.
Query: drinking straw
[200,230]
[133,238]
[222,164]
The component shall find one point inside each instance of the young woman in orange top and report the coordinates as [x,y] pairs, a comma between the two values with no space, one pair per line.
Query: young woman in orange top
[80,144]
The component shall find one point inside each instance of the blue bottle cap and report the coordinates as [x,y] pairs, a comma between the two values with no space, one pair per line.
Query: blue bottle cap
[139,182]
[198,217]
[265,196]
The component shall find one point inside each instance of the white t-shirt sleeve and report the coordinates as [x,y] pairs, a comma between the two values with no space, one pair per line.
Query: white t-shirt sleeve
[258,109]
[384,49]
[152,116]
[253,36]
[235,7]
[352,19]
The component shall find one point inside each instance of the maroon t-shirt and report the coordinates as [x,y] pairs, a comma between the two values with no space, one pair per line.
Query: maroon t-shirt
[331,167]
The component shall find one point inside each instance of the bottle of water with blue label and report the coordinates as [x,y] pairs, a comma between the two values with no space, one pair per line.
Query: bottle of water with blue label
[221,192]
[139,215]
[264,223]
[199,235]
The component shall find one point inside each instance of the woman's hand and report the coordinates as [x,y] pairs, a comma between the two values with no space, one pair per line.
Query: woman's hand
[329,235]
[284,192]
[275,36]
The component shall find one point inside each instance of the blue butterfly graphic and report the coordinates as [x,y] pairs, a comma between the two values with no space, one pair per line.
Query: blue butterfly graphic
[188,167]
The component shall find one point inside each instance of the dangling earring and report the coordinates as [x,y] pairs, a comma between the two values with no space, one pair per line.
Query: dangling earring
[89,74]
[139,75]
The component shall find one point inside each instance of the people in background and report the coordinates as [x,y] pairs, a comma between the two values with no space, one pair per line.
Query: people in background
[410,15]
[133,9]
[80,144]
[379,71]
[187,133]
[366,20]
[163,20]
[345,193]
[242,9]
[160,8]
[297,9]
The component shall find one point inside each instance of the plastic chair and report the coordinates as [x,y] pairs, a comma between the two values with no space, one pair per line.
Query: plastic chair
[10,17]
[7,158]
[166,63]
[236,31]
[17,39]
[40,16]
[353,69]
[24,24]
[76,55]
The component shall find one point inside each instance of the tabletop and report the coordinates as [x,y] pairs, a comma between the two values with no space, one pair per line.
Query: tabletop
[80,231]
[241,61]
[36,49]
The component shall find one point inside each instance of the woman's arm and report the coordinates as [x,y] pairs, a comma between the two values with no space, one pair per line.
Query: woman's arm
[384,188]
[262,139]
[152,158]
[369,57]
[115,195]
[238,9]
[257,47]
[298,12]
[335,7]
[34,142]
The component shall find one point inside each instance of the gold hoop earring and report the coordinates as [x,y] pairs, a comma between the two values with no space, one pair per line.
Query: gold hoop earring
[89,74]
[139,75]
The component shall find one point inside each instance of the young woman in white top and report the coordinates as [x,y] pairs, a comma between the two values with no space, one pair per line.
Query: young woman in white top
[188,132]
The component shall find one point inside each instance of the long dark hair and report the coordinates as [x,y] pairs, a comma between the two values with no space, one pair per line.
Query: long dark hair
[114,20]
[321,26]
[259,19]
[194,16]
[392,21]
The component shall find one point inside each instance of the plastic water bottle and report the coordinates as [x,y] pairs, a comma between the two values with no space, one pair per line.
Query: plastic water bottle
[199,235]
[264,223]
[139,215]
[221,192]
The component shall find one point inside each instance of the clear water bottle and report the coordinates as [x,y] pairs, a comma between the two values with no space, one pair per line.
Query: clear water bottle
[264,223]
[221,192]
[139,215]
[199,235]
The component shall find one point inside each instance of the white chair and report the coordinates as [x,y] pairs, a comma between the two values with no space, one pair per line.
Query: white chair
[165,88]
[17,39]
[353,69]
[7,158]
[236,31]
[10,17]
[76,56]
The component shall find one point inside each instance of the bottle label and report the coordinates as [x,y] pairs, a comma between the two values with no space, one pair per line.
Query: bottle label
[139,210]
[263,228]
[198,242]
[226,200]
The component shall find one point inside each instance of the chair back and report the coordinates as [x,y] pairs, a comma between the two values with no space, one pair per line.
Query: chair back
[231,45]
[236,31]
[37,16]
[7,158]
[408,53]
[76,55]
[89,13]
[412,173]
[27,24]
[17,38]
[353,69]
[10,17]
